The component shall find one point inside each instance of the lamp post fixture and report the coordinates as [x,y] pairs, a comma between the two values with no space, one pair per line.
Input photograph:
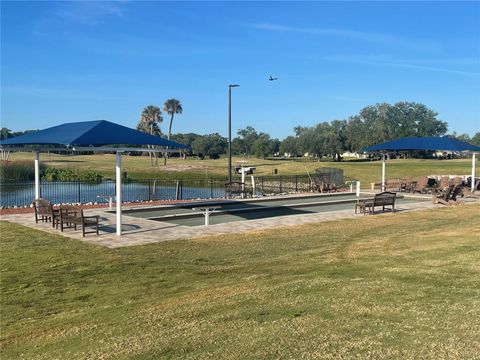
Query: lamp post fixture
[230,132]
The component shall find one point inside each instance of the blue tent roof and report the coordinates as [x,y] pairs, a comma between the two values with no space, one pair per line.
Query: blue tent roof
[90,133]
[424,143]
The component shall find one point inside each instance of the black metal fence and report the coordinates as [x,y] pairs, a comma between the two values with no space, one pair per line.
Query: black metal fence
[283,184]
[22,193]
[330,175]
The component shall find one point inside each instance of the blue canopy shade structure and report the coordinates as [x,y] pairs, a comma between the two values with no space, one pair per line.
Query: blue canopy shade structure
[444,143]
[90,133]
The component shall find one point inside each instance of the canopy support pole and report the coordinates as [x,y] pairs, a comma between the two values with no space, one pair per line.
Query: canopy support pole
[37,175]
[473,172]
[118,178]
[383,172]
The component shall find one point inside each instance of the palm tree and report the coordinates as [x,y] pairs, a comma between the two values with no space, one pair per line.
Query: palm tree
[171,107]
[149,119]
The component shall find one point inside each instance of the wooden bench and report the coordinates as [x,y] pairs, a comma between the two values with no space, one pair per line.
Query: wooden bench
[237,188]
[382,199]
[44,211]
[71,216]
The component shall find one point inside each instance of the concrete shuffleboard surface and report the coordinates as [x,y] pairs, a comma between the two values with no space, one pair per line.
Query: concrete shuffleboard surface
[142,231]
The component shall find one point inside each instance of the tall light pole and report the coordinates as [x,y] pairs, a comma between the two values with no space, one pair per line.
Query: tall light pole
[230,132]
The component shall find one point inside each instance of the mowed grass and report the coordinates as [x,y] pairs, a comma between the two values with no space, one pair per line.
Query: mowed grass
[401,286]
[192,168]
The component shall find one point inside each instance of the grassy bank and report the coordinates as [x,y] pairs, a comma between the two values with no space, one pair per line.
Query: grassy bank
[139,167]
[370,287]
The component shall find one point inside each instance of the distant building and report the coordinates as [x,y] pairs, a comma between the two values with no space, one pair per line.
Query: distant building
[354,154]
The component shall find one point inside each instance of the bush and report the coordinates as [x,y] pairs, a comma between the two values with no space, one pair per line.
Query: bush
[19,170]
[52,174]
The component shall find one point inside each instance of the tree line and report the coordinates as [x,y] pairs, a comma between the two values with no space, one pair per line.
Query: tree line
[372,125]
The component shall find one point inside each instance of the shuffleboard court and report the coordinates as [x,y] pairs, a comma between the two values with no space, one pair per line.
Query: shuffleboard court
[240,210]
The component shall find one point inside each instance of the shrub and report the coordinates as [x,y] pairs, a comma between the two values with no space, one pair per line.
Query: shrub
[19,170]
[53,174]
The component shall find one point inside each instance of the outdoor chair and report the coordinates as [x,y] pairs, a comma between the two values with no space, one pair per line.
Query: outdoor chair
[45,212]
[71,216]
[448,196]
[457,181]
[393,184]
[468,193]
[442,185]
[407,184]
[422,186]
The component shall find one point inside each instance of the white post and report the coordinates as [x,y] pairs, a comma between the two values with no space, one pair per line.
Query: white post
[473,172]
[207,216]
[243,182]
[37,175]
[254,191]
[118,177]
[383,172]
[358,188]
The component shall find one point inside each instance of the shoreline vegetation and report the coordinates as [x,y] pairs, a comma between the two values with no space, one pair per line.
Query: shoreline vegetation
[138,167]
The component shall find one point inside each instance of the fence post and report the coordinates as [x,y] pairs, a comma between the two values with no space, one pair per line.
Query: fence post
[181,189]
[280,183]
[296,183]
[211,188]
[177,190]
[149,189]
[78,183]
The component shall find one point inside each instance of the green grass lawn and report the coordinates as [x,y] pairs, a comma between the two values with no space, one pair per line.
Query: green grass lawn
[402,286]
[191,168]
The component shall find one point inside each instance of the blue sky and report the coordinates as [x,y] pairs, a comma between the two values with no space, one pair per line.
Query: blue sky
[75,61]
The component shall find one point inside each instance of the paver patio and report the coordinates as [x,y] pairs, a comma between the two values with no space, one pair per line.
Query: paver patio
[137,231]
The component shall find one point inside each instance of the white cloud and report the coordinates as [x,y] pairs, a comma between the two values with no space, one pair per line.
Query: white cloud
[88,12]
[387,60]
[64,15]
[364,36]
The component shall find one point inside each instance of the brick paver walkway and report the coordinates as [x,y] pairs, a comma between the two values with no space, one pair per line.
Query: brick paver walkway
[137,231]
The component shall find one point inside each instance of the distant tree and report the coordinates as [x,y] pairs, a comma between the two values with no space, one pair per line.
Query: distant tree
[384,122]
[171,107]
[263,146]
[461,137]
[5,133]
[150,118]
[238,146]
[186,139]
[334,139]
[247,137]
[289,146]
[276,146]
[212,145]
[476,139]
